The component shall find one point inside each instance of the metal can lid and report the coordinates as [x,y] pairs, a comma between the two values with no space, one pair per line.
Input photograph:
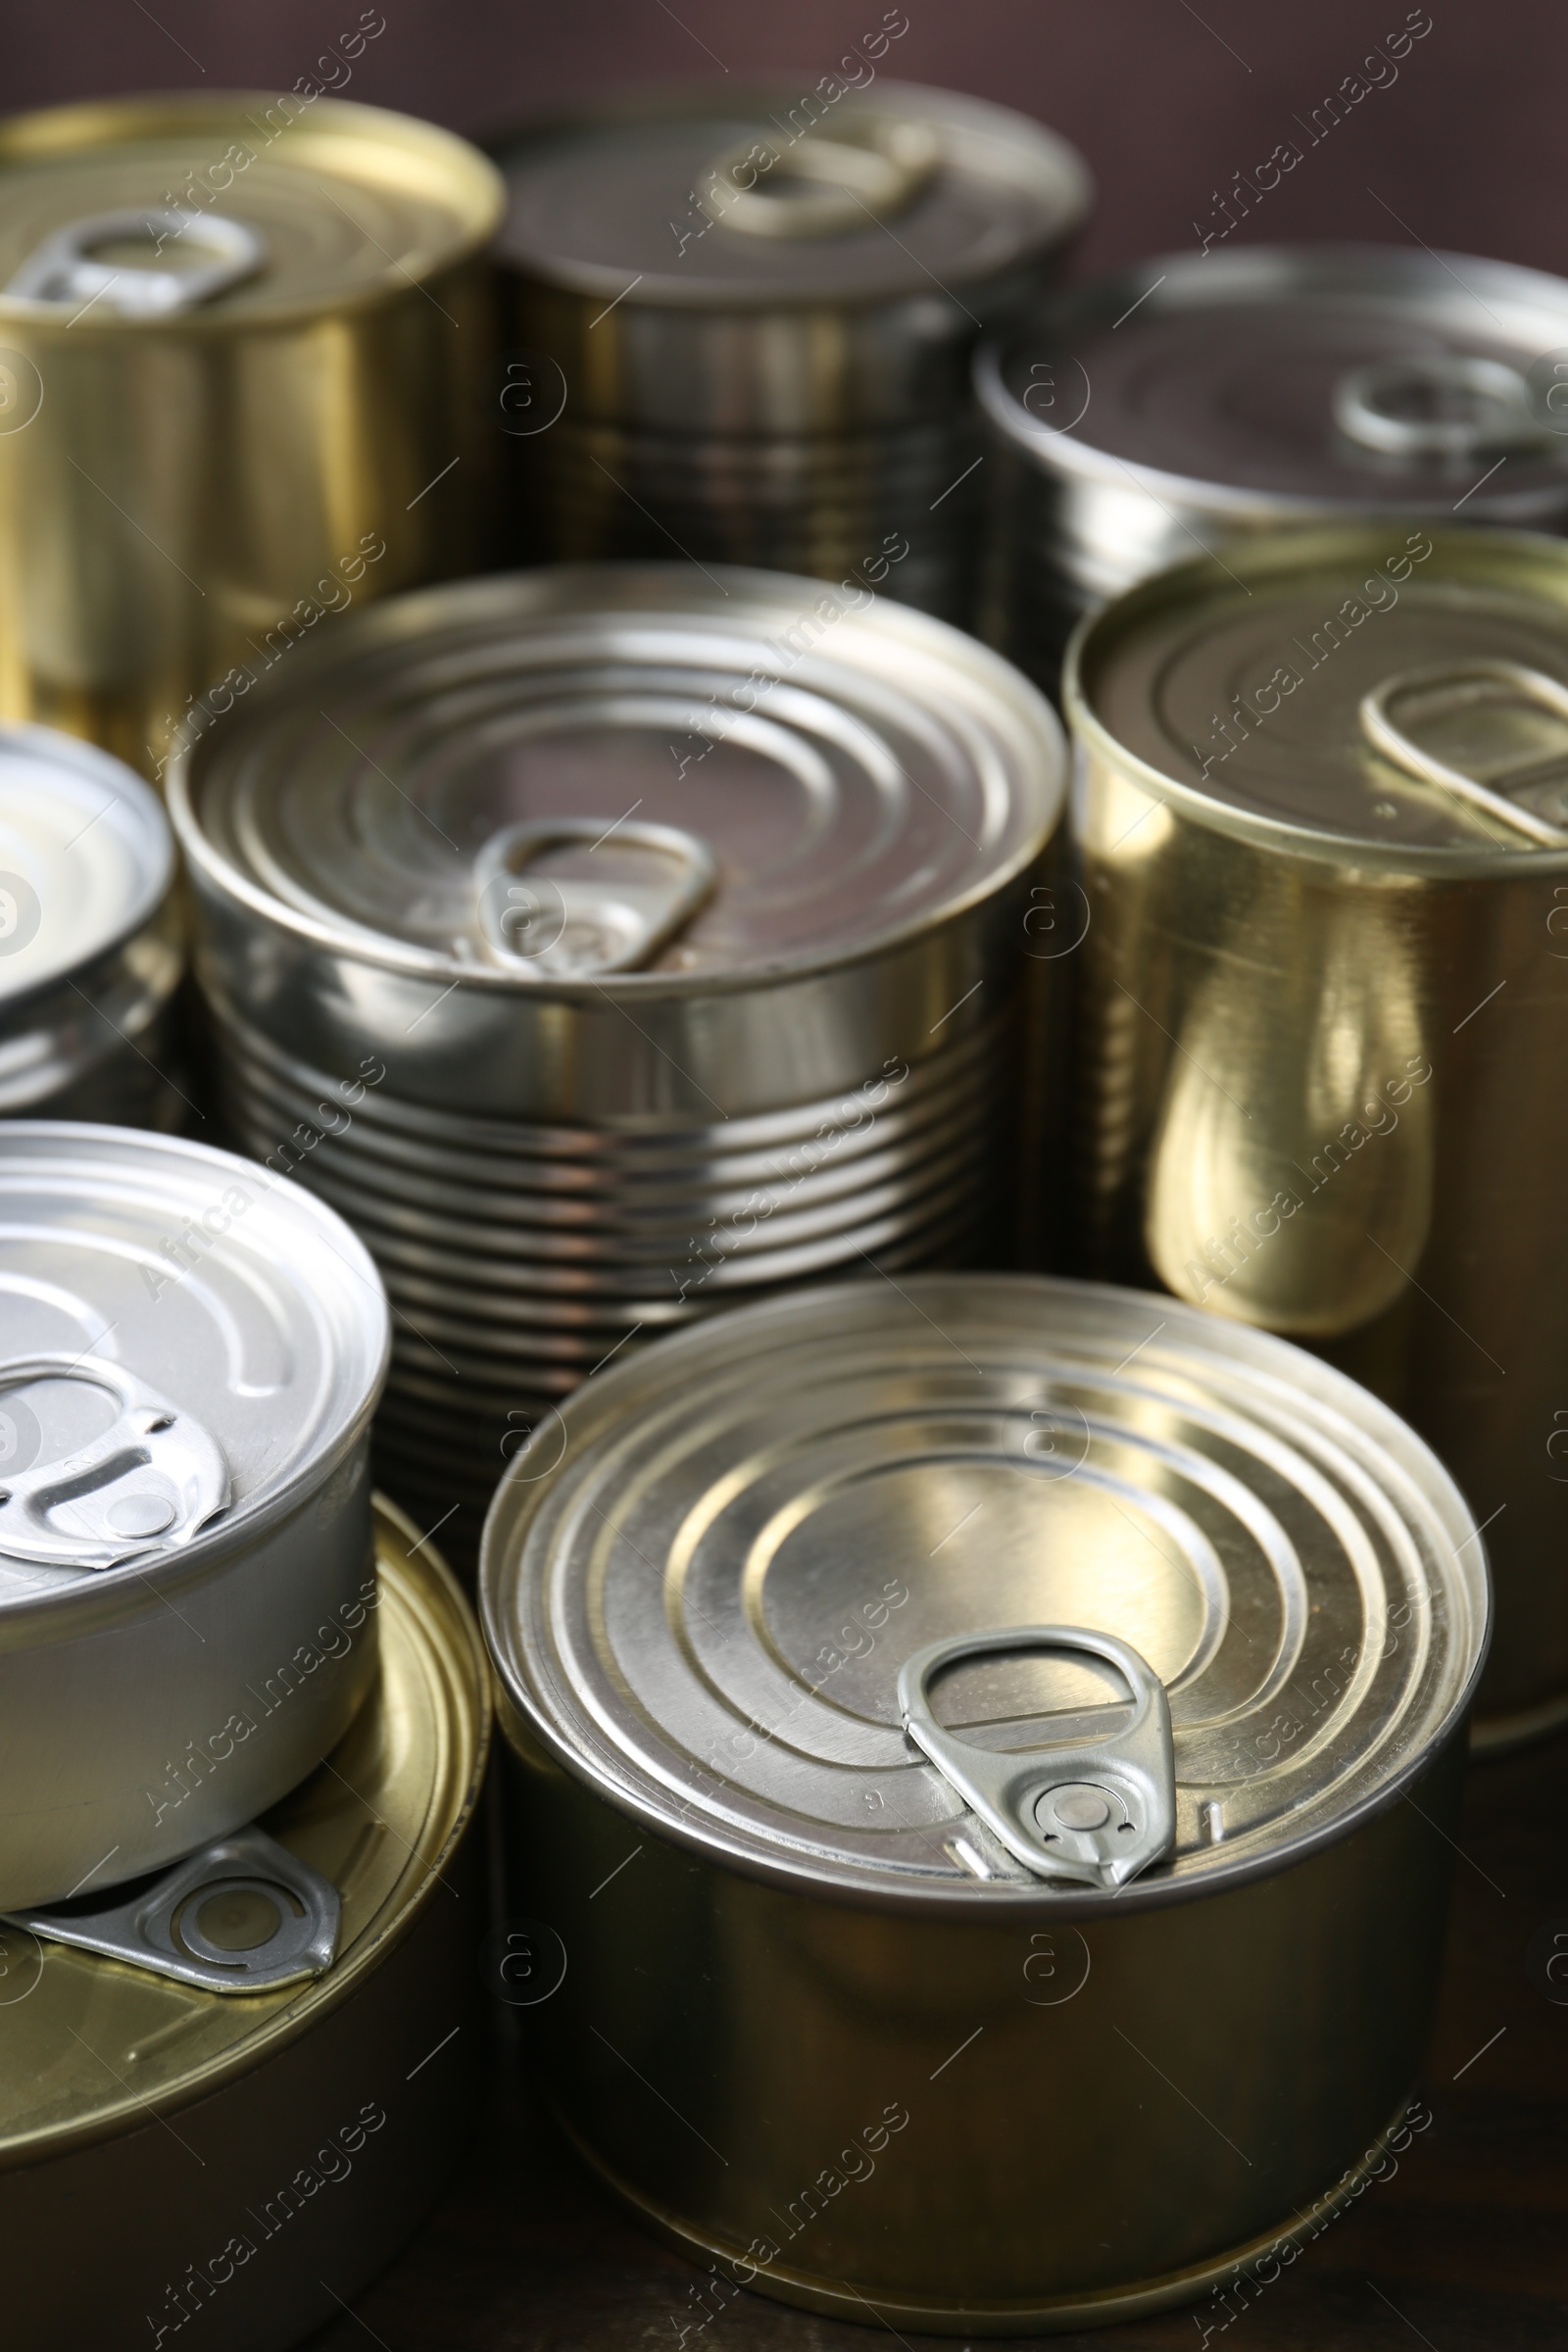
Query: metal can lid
[849,191]
[628,770]
[1405,690]
[92,2046]
[86,856]
[190,1341]
[208,210]
[706,1577]
[1349,376]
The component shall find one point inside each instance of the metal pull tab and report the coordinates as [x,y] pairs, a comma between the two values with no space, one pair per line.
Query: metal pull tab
[63,271]
[569,928]
[244,1915]
[824,182]
[149,1484]
[1457,688]
[1097,1811]
[1437,405]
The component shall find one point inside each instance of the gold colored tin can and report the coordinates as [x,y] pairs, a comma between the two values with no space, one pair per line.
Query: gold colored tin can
[249,2161]
[240,337]
[1322,1029]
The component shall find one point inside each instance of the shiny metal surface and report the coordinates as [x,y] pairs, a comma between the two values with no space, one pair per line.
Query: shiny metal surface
[1203,397]
[699,1590]
[756,1005]
[243,334]
[1322,997]
[193,1352]
[752,311]
[91,937]
[237,2152]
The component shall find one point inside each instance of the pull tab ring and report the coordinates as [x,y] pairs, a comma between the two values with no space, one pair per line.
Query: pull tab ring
[1467,682]
[545,928]
[823,182]
[64,273]
[147,1485]
[1095,1811]
[1488,407]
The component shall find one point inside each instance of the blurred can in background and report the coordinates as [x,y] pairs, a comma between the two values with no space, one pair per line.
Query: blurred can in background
[240,342]
[1321,1060]
[739,321]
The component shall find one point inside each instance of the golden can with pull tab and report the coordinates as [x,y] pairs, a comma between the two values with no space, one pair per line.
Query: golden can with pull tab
[1322,827]
[251,2155]
[929,1711]
[241,338]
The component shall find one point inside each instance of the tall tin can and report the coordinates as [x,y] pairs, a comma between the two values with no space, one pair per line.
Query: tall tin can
[241,348]
[961,1739]
[739,323]
[92,944]
[190,1352]
[1202,397]
[608,945]
[250,2163]
[1322,826]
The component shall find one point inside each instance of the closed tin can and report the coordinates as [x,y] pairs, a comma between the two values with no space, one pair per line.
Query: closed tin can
[1201,397]
[191,1355]
[242,339]
[1322,827]
[251,2162]
[739,321]
[961,1738]
[608,946]
[90,939]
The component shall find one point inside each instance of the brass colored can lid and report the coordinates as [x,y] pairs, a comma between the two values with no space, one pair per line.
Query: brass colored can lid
[89,2047]
[1374,685]
[711,1584]
[200,210]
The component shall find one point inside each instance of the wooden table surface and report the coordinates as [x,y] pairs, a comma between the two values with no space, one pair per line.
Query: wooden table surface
[1464,2249]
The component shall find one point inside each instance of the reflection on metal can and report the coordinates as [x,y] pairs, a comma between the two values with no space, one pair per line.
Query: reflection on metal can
[930,1711]
[251,2163]
[607,946]
[1323,826]
[740,323]
[1201,397]
[90,944]
[192,1352]
[240,341]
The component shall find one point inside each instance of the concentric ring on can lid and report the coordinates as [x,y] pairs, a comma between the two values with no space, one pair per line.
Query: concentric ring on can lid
[86,857]
[188,1341]
[844,773]
[1273,377]
[631,196]
[700,1584]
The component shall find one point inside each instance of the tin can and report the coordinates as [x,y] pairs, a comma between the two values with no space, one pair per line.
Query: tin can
[90,939]
[1202,397]
[607,946]
[242,339]
[938,1710]
[740,322]
[1323,833]
[250,2164]
[192,1352]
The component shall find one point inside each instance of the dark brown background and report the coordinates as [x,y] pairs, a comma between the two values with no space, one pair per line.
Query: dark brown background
[1467,146]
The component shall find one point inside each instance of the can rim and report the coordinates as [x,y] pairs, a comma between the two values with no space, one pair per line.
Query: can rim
[25,135]
[516,1705]
[1090,462]
[1295,546]
[404,616]
[1071,185]
[52,743]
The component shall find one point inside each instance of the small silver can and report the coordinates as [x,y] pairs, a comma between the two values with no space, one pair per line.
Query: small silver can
[939,1709]
[191,1355]
[90,937]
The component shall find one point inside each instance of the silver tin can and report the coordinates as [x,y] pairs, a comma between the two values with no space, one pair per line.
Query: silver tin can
[740,322]
[942,1710]
[192,1351]
[609,946]
[1202,396]
[90,939]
